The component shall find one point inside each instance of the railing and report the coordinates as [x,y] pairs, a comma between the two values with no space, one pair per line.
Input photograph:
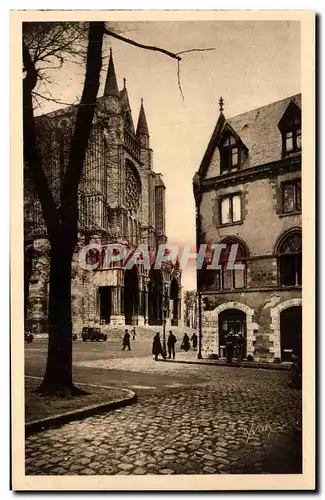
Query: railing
[132,145]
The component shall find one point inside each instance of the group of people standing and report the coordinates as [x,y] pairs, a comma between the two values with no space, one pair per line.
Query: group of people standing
[157,347]
[235,341]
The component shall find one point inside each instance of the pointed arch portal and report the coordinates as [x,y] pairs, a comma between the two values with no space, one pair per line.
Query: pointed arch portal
[155,297]
[174,296]
[131,296]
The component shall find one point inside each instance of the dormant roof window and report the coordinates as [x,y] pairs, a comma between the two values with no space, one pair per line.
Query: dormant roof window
[229,154]
[290,128]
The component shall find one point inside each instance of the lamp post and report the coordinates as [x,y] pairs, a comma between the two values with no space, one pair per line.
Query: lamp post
[198,198]
[164,313]
[199,355]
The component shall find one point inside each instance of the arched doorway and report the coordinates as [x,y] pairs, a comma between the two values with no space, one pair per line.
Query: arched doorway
[155,297]
[174,296]
[231,321]
[291,332]
[131,296]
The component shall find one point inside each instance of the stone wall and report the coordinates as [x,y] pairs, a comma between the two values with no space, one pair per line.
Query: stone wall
[262,309]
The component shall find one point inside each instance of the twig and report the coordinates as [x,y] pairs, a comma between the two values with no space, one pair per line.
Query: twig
[141,45]
[179,80]
[194,50]
[51,99]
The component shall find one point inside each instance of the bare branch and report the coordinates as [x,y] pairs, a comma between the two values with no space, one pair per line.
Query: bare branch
[179,79]
[194,50]
[141,45]
[37,96]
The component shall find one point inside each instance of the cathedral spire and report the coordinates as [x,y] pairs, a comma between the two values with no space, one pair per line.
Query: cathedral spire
[111,87]
[142,127]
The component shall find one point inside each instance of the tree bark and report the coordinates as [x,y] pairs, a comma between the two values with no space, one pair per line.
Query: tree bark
[62,222]
[58,374]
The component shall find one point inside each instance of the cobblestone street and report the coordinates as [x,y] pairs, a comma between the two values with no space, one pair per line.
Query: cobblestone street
[236,421]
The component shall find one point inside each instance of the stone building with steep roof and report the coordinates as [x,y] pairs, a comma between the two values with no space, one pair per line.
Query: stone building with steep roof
[248,192]
[121,200]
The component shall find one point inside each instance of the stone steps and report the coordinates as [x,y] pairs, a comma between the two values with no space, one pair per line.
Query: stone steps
[142,332]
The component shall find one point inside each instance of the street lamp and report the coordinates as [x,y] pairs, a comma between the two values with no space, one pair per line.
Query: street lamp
[199,355]
[198,199]
[164,314]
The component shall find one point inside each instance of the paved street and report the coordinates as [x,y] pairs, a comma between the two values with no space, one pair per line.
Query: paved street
[189,419]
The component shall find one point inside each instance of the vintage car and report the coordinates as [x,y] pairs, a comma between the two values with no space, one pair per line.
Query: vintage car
[29,337]
[90,333]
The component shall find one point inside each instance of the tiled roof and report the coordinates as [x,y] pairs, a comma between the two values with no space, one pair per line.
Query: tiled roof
[258,129]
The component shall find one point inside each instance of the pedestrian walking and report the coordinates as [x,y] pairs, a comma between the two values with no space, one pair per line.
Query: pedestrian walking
[186,343]
[171,341]
[157,347]
[133,333]
[126,341]
[194,341]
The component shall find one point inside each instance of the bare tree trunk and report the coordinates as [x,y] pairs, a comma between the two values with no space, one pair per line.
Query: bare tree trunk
[62,222]
[58,374]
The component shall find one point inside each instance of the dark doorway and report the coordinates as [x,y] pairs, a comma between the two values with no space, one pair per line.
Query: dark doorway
[174,291]
[105,304]
[155,297]
[131,296]
[291,333]
[230,321]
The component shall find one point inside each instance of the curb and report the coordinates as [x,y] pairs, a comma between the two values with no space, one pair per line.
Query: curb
[261,366]
[87,411]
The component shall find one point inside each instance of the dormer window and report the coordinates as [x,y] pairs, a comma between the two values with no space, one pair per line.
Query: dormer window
[290,128]
[229,154]
[292,141]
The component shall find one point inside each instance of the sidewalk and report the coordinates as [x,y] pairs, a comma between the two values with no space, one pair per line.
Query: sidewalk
[190,357]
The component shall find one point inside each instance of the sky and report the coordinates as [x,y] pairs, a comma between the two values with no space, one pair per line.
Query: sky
[254,63]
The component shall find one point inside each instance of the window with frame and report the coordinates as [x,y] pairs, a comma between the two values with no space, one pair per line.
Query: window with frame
[290,260]
[291,141]
[230,209]
[291,196]
[229,154]
[230,279]
[290,128]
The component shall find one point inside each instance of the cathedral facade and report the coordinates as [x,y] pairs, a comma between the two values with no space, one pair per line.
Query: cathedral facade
[121,200]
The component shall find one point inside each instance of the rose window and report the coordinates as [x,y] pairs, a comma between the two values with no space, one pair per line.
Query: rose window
[132,188]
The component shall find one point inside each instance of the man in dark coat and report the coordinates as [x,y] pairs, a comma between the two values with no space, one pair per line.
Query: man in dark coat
[240,347]
[157,347]
[126,341]
[229,346]
[194,341]
[186,343]
[171,341]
